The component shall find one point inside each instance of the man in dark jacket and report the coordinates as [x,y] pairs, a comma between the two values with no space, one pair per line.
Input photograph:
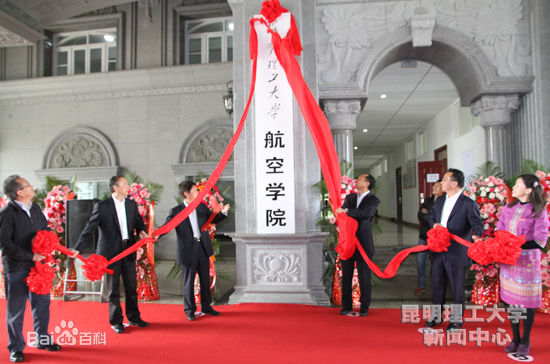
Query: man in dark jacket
[460,215]
[117,219]
[360,206]
[20,220]
[424,221]
[194,249]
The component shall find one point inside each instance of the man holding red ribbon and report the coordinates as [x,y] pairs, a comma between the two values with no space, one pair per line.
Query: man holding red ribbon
[19,222]
[117,218]
[194,248]
[460,215]
[360,206]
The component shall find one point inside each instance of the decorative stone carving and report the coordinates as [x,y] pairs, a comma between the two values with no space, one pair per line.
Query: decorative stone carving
[422,26]
[10,39]
[209,145]
[148,6]
[495,110]
[342,107]
[351,31]
[80,147]
[269,266]
[495,25]
[78,152]
[499,27]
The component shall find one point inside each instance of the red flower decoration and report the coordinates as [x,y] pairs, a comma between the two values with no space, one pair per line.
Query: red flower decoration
[45,242]
[40,278]
[271,9]
[483,252]
[439,239]
[95,266]
[509,247]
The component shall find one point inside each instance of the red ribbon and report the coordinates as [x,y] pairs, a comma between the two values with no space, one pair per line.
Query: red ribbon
[150,227]
[40,278]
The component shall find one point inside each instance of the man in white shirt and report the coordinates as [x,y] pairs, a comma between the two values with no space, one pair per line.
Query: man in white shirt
[460,215]
[117,218]
[360,206]
[194,249]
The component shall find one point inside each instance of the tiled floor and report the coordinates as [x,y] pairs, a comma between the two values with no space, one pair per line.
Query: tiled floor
[389,239]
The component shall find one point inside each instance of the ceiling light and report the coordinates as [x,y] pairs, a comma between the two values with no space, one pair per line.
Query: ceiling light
[383,96]
[365,130]
[355,148]
[109,38]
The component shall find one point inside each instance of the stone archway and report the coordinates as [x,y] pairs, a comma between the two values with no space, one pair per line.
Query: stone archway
[454,53]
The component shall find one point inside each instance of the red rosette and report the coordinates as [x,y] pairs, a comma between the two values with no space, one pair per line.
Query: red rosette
[272,9]
[95,266]
[509,247]
[40,278]
[483,252]
[45,242]
[439,239]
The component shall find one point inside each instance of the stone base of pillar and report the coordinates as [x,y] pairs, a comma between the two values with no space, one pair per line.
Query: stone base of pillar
[285,268]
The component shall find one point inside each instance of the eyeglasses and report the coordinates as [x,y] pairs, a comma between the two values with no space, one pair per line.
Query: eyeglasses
[24,186]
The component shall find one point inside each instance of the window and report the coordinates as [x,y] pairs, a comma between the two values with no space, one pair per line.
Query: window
[409,150]
[208,40]
[85,52]
[422,143]
[91,190]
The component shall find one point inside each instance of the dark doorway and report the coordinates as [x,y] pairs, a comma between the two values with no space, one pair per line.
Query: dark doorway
[399,194]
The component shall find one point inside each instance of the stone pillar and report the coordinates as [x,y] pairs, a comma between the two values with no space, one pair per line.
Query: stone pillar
[342,116]
[495,112]
[276,267]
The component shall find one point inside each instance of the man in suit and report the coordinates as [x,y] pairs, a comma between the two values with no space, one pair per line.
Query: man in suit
[117,218]
[194,249]
[424,226]
[460,215]
[362,207]
[20,220]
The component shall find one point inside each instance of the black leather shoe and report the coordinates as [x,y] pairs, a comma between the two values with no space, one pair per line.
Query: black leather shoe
[363,312]
[212,312]
[344,312]
[454,326]
[16,356]
[51,347]
[191,316]
[118,328]
[430,323]
[138,323]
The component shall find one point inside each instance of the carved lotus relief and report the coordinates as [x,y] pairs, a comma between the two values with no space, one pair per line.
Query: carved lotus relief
[276,267]
[78,152]
[209,146]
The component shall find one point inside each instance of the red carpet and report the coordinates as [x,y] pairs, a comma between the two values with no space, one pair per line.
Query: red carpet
[262,333]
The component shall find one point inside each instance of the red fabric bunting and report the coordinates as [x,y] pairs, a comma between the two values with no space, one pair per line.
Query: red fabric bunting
[45,242]
[509,247]
[439,239]
[95,266]
[40,278]
[483,252]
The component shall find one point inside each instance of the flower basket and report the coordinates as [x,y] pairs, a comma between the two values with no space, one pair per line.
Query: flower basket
[57,289]
[486,292]
[336,297]
[545,307]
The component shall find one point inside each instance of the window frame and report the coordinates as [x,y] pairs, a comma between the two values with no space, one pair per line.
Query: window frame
[185,13]
[88,47]
[205,39]
[86,25]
